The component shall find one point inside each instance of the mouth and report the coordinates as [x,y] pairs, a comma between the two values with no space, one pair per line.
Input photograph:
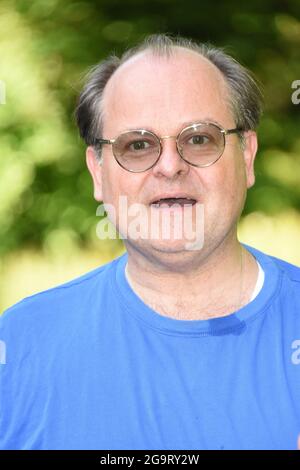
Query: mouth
[176,202]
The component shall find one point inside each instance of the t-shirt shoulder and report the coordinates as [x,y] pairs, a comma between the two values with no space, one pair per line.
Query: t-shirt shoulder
[291,270]
[61,290]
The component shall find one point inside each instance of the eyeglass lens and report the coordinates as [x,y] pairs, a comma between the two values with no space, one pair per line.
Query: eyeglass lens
[200,145]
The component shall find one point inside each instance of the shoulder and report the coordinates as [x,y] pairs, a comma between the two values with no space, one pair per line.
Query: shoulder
[59,299]
[291,272]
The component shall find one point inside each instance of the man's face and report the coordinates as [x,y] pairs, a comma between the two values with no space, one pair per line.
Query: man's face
[164,95]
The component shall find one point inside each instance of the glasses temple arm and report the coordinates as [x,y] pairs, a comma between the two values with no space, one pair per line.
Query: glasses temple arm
[102,141]
[234,131]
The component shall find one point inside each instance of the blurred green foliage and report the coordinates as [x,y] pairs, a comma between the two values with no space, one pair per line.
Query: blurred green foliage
[47,45]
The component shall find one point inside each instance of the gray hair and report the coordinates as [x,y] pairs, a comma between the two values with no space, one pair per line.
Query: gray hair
[245,97]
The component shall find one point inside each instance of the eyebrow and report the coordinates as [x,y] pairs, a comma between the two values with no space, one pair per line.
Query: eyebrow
[182,126]
[206,119]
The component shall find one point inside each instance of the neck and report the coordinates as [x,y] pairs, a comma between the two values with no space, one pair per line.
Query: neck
[210,285]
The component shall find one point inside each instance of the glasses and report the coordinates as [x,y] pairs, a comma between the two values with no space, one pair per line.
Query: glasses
[200,144]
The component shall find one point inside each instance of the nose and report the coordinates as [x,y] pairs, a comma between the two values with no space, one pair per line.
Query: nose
[170,162]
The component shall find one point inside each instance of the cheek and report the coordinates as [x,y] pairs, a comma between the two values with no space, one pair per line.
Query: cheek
[237,190]
[112,180]
[226,188]
[118,182]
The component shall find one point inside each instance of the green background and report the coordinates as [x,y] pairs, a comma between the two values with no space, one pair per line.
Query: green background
[47,211]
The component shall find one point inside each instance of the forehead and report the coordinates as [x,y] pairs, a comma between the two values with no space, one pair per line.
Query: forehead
[163,92]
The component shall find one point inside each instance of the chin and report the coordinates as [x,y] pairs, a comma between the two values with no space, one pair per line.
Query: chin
[181,247]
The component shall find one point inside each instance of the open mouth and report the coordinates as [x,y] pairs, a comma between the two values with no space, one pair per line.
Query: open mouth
[171,201]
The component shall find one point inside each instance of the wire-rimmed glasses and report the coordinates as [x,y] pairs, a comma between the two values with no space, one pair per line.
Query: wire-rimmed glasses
[200,144]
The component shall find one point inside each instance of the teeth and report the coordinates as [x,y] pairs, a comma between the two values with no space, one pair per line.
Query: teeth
[168,202]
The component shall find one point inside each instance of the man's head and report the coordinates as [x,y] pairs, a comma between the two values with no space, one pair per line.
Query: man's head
[163,86]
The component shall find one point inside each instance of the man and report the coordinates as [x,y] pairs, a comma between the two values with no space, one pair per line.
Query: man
[186,341]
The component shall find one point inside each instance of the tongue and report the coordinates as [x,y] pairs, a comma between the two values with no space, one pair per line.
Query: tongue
[170,201]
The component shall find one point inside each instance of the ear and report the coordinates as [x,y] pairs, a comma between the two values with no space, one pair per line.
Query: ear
[250,149]
[95,169]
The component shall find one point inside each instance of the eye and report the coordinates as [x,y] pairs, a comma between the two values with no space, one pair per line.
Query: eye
[198,139]
[138,145]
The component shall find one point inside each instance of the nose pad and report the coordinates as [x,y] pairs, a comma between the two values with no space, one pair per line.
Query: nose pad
[167,162]
[166,137]
[171,137]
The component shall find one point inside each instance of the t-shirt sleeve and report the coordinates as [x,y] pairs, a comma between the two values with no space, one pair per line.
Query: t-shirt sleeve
[17,376]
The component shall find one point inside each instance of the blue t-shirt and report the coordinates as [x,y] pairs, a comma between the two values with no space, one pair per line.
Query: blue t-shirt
[88,365]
